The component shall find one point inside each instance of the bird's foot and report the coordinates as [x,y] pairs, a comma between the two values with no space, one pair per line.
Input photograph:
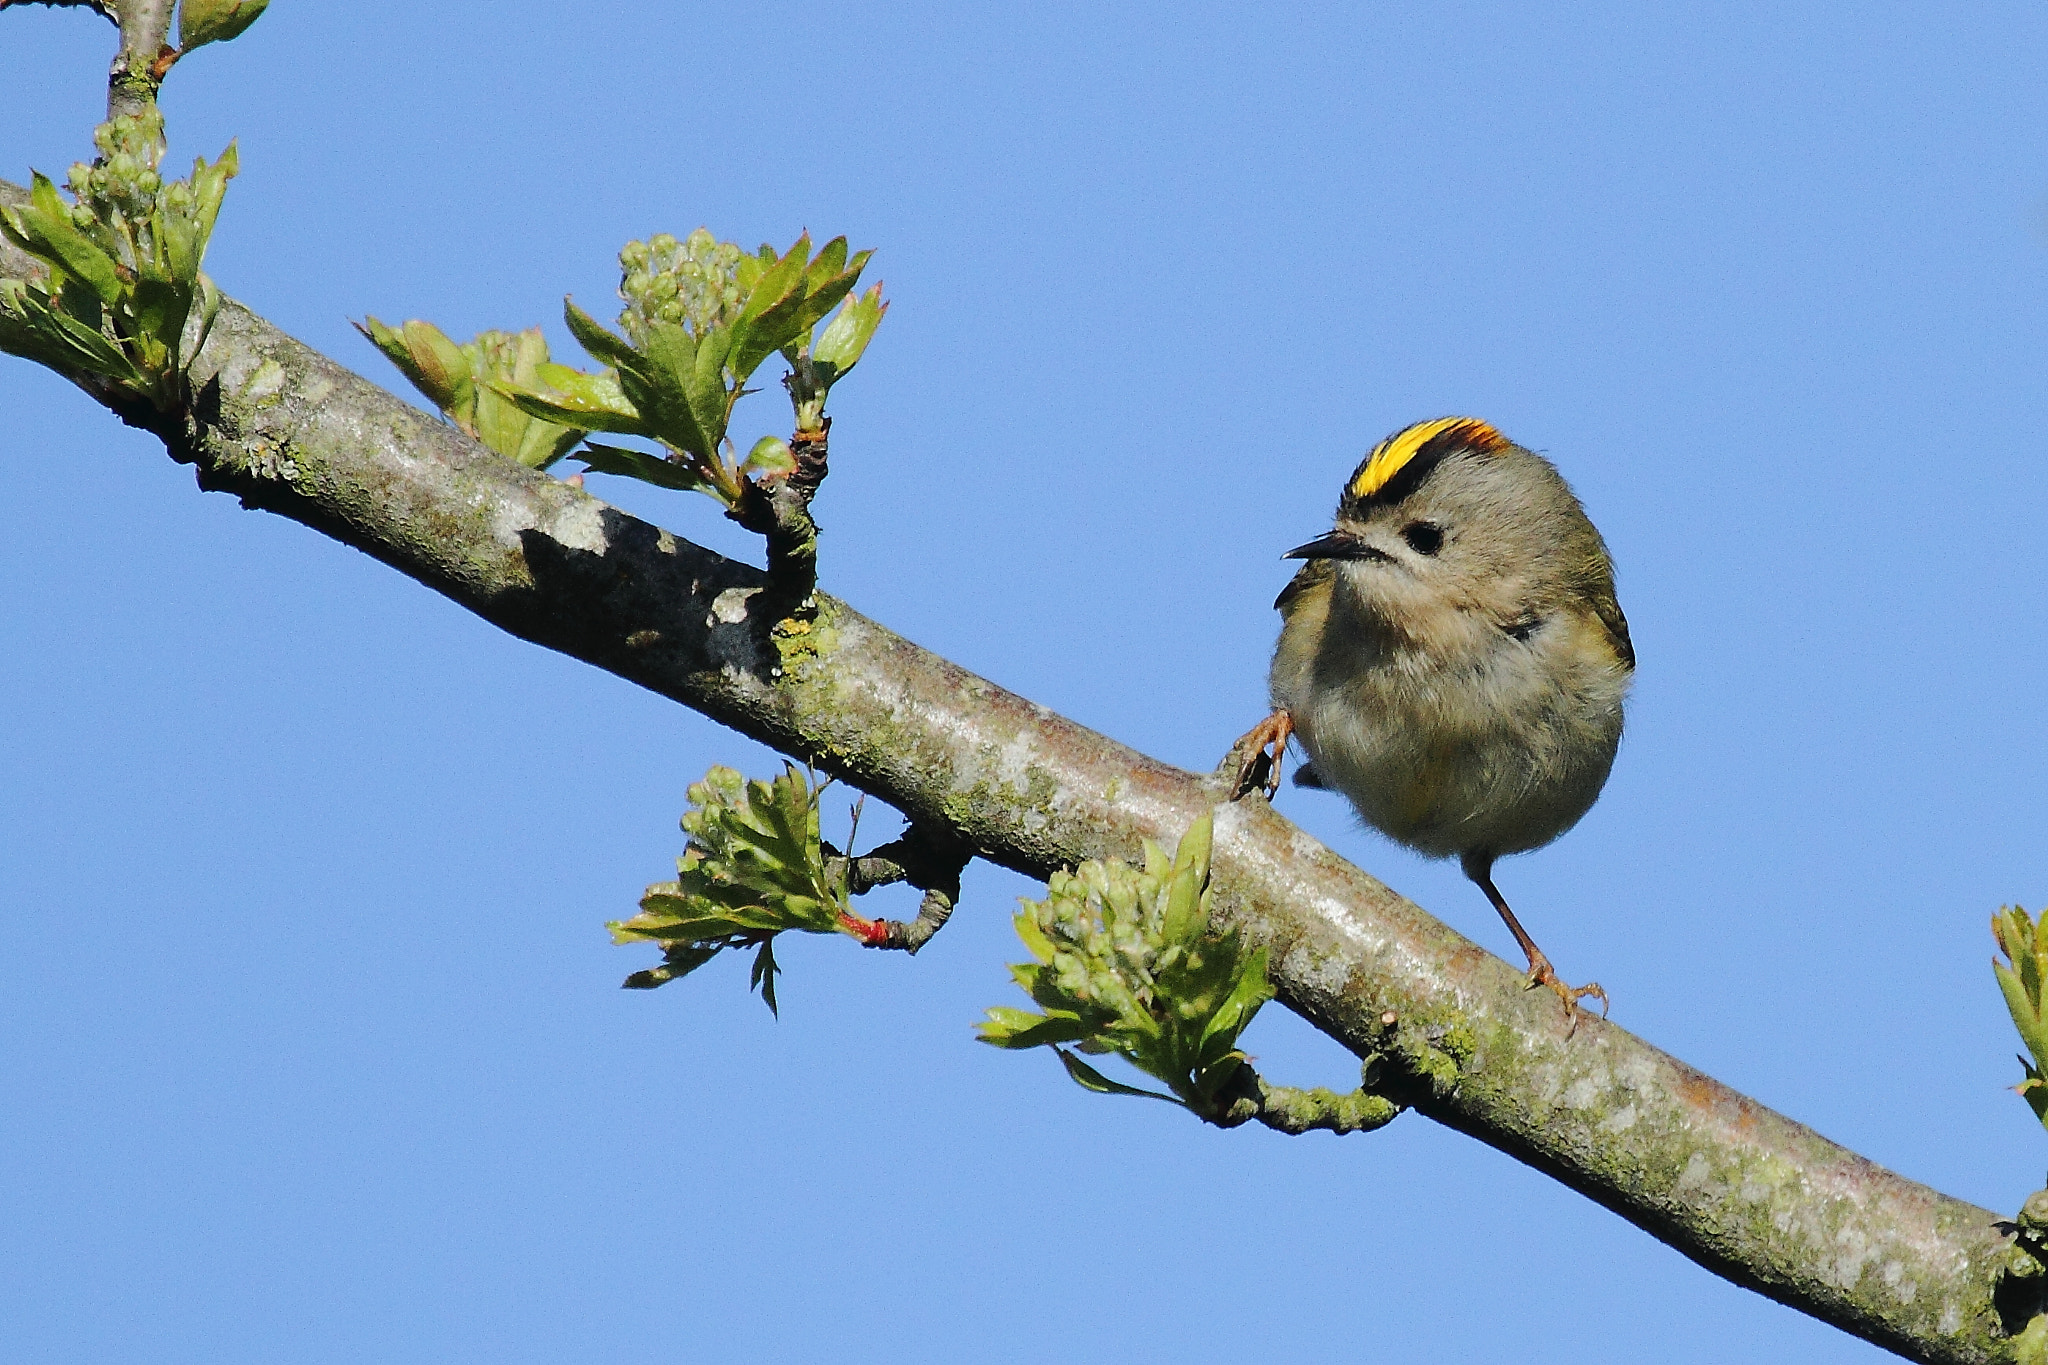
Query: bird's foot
[1264,747]
[1540,974]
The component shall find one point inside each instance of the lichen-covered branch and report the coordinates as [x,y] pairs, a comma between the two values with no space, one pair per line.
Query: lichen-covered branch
[1744,1191]
[1289,1109]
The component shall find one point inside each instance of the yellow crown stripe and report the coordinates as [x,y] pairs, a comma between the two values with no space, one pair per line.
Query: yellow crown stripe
[1390,456]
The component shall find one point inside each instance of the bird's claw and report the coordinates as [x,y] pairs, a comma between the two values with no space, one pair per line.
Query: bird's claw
[1540,974]
[1261,768]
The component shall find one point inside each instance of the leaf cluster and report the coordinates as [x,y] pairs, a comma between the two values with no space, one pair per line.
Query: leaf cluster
[461,380]
[830,355]
[755,867]
[122,298]
[701,316]
[1124,964]
[2025,945]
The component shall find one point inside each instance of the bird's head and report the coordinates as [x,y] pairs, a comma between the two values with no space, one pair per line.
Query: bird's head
[1449,516]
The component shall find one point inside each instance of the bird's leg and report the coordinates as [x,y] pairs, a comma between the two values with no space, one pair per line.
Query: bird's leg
[1259,768]
[1540,972]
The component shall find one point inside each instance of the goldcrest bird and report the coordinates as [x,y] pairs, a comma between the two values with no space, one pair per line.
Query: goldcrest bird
[1452,657]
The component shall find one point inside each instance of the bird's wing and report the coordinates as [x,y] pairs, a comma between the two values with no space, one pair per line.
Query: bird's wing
[1610,615]
[1313,582]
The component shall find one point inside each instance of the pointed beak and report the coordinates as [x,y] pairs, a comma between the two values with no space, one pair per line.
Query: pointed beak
[1338,545]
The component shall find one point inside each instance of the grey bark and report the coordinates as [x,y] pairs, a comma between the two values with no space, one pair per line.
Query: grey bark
[1747,1193]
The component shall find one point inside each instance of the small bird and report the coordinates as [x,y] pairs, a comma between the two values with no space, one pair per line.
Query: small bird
[1452,657]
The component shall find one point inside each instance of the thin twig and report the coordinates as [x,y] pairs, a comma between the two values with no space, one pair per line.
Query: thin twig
[779,511]
[929,860]
[98,7]
[146,54]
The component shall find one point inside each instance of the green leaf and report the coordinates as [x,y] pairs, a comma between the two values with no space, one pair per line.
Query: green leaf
[845,339]
[210,188]
[424,354]
[768,321]
[762,977]
[677,963]
[209,309]
[2028,966]
[1192,853]
[2034,1090]
[62,340]
[635,464]
[2019,937]
[43,228]
[597,339]
[1248,995]
[2025,1013]
[2002,929]
[826,265]
[596,399]
[788,303]
[543,444]
[662,384]
[770,457]
[159,309]
[182,230]
[821,297]
[29,327]
[1034,938]
[780,282]
[1185,912]
[704,388]
[583,409]
[1158,862]
[215,21]
[96,352]
[478,386]
[443,368]
[1088,1078]
[521,357]
[1012,1028]
[181,245]
[669,915]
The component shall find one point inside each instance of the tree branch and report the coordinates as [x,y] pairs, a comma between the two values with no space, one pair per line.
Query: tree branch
[1747,1193]
[146,54]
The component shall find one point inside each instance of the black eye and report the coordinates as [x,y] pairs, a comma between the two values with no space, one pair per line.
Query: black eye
[1423,537]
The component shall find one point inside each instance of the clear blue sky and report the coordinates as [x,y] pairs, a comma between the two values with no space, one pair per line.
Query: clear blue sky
[310,1037]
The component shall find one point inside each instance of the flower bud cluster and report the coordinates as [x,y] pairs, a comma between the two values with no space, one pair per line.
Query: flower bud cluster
[1106,924]
[121,187]
[693,283]
[503,352]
